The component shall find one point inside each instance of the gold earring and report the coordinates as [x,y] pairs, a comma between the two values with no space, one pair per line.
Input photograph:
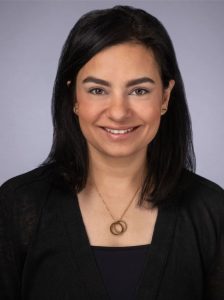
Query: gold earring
[163,110]
[76,108]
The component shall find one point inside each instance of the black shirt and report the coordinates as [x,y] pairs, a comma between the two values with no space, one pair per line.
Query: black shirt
[121,269]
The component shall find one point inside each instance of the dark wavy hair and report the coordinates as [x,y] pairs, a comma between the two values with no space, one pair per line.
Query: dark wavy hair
[171,151]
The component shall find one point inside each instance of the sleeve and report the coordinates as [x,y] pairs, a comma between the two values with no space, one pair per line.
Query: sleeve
[9,276]
[215,277]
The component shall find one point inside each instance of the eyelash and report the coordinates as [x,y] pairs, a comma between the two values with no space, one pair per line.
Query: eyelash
[93,91]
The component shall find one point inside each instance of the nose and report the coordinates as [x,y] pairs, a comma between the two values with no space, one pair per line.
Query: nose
[119,108]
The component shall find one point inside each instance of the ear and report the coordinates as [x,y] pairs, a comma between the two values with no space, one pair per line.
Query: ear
[166,96]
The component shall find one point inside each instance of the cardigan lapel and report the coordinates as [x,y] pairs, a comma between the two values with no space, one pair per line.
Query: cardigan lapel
[82,255]
[81,252]
[158,254]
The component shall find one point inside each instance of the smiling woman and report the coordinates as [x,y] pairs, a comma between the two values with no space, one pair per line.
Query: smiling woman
[119,112]
[115,211]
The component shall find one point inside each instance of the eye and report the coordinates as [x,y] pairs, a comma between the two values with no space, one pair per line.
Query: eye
[97,91]
[139,92]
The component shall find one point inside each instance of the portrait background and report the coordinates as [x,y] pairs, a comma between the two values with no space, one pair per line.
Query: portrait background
[31,37]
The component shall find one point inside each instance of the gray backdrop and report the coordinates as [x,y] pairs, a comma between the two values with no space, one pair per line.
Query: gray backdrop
[31,38]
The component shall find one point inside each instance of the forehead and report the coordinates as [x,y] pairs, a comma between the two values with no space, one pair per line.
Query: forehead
[122,60]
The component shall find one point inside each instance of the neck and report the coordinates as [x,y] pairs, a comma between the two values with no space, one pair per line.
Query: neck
[116,176]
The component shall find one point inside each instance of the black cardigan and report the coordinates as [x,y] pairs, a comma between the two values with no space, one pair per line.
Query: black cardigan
[45,252]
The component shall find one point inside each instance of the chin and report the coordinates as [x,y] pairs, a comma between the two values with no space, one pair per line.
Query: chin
[123,154]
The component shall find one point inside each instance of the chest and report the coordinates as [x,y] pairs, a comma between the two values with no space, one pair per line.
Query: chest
[63,266]
[140,223]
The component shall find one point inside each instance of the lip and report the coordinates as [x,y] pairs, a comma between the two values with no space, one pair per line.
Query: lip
[120,127]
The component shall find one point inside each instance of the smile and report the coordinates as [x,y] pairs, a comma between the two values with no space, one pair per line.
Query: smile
[119,131]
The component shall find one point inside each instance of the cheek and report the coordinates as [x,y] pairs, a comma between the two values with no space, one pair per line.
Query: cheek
[152,122]
[150,107]
[88,114]
[85,110]
[150,114]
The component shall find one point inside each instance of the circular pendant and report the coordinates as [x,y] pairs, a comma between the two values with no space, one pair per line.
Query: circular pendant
[118,227]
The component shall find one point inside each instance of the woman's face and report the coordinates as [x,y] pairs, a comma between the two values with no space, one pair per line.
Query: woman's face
[120,96]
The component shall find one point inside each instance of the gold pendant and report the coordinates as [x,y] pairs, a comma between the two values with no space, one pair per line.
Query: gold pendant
[118,227]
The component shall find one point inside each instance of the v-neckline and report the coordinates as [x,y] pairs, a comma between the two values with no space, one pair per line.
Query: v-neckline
[83,257]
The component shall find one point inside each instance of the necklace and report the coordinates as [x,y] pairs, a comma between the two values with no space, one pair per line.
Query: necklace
[119,226]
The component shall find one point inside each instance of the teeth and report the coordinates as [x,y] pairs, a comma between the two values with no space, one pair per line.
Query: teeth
[117,131]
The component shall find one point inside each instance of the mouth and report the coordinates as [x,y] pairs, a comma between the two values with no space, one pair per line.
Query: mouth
[119,131]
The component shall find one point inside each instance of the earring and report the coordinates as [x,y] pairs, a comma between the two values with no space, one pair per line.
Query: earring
[163,110]
[76,108]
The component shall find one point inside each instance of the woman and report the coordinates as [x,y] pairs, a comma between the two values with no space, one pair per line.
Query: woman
[115,212]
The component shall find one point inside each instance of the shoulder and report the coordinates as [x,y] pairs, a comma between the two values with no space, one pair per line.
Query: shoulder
[35,178]
[202,201]
[199,189]
[22,199]
[28,189]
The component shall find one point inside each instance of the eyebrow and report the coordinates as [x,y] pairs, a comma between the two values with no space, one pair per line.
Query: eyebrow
[129,83]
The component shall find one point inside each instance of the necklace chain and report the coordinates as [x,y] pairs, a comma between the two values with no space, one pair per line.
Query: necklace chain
[118,226]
